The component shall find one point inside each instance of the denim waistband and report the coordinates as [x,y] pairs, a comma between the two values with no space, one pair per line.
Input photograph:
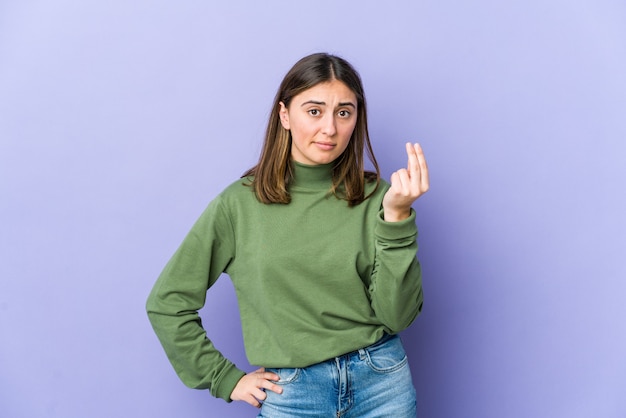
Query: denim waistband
[361,351]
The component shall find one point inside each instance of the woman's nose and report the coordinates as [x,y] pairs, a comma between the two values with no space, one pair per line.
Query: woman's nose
[329,128]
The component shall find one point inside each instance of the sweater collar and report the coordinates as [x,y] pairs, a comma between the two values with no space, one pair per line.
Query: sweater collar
[312,176]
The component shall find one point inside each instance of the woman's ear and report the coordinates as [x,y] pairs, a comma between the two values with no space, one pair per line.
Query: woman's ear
[283,113]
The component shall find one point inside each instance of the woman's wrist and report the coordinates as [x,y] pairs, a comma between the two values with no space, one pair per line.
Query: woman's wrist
[396,215]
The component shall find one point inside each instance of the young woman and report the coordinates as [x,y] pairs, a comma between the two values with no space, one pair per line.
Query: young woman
[322,255]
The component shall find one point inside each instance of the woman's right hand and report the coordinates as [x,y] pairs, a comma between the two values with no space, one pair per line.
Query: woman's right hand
[250,387]
[407,185]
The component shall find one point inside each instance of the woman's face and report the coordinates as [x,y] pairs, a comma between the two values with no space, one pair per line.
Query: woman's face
[321,120]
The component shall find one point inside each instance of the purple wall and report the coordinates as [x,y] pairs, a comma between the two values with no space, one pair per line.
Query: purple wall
[119,121]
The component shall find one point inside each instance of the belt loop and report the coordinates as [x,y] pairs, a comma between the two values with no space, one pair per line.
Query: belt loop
[362,353]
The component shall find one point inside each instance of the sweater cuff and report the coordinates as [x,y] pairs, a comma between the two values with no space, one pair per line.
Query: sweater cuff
[227,383]
[396,230]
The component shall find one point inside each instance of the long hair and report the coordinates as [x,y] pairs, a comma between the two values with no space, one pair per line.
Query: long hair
[273,173]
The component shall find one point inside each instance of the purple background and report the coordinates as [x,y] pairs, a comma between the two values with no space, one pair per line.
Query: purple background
[120,121]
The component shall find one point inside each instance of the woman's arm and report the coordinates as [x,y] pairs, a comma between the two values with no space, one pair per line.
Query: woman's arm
[396,283]
[180,292]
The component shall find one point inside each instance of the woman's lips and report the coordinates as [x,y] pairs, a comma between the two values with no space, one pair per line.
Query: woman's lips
[326,146]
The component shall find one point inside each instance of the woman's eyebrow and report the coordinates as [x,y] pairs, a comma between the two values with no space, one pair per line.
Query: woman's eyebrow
[316,102]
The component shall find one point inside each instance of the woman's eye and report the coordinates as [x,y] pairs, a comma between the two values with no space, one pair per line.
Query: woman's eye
[344,113]
[314,112]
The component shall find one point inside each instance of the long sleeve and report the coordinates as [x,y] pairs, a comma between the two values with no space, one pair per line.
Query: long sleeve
[396,282]
[180,292]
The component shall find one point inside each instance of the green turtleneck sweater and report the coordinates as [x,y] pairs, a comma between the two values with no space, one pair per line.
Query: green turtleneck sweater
[314,279]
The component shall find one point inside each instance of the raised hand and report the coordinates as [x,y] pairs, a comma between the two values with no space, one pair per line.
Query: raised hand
[407,184]
[250,387]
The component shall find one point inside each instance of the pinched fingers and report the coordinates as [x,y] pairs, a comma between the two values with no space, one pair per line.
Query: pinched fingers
[412,182]
[407,184]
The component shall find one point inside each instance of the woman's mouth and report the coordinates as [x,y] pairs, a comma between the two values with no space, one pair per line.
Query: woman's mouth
[326,146]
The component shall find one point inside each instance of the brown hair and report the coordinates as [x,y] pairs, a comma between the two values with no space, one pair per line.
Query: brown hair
[274,171]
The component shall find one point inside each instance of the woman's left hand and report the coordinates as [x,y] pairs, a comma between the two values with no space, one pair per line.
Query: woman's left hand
[407,184]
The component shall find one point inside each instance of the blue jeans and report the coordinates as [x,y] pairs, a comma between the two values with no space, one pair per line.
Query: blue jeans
[374,381]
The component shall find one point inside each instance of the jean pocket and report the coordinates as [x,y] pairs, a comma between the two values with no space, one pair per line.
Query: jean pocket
[286,375]
[386,357]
